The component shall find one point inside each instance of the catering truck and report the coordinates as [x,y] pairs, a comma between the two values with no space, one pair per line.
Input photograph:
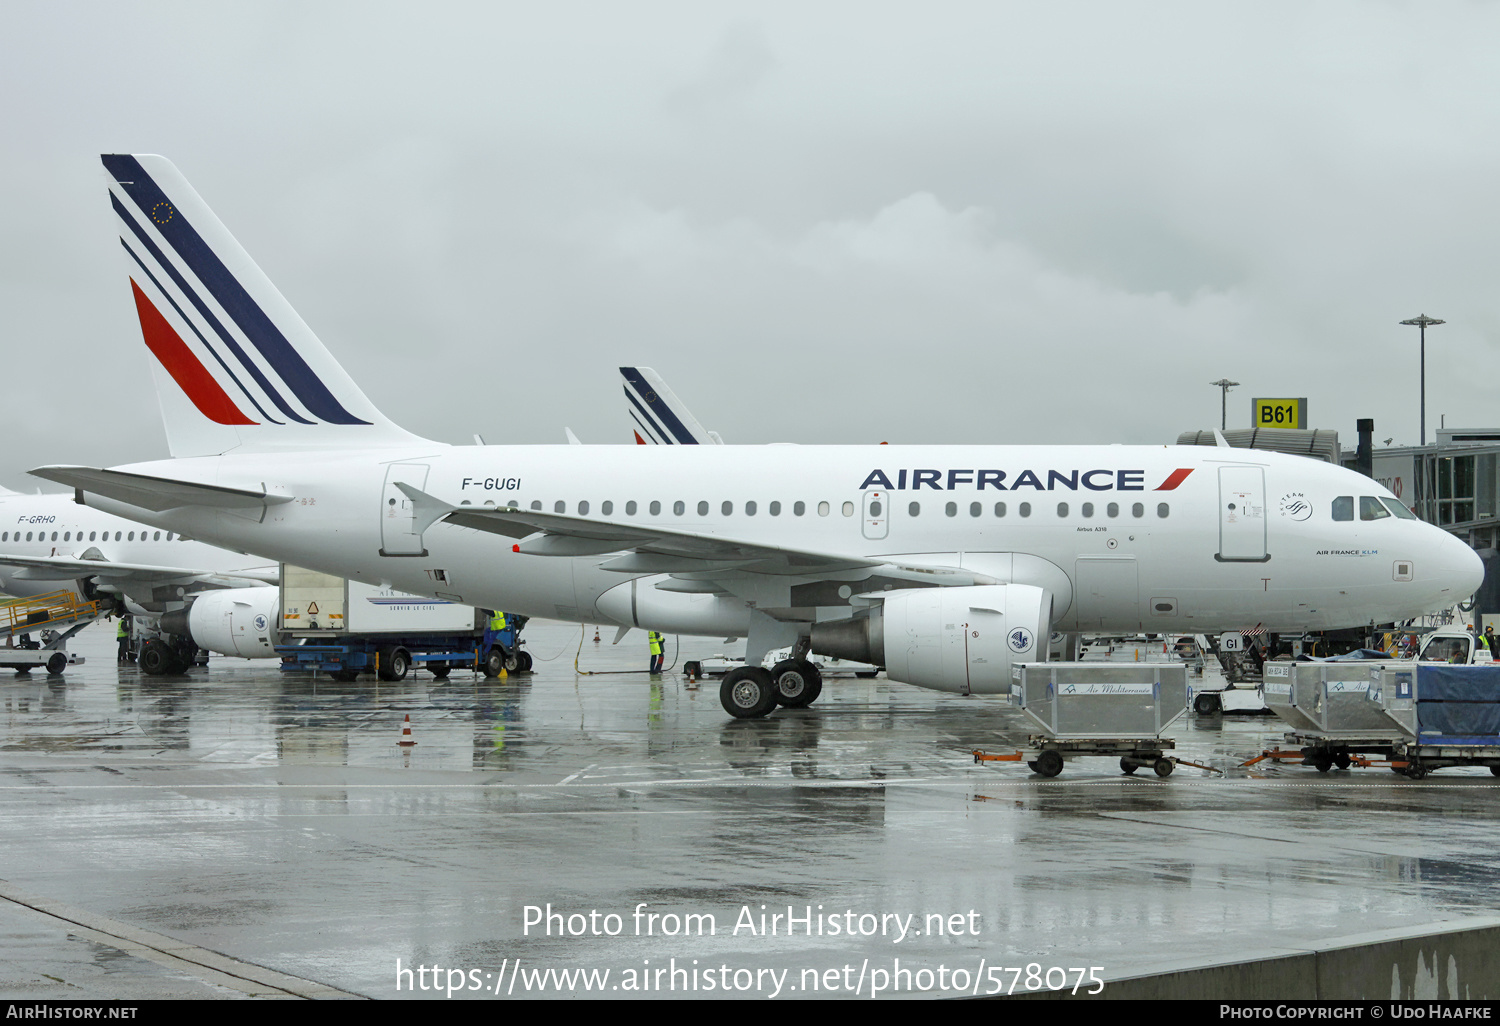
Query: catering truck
[346,628]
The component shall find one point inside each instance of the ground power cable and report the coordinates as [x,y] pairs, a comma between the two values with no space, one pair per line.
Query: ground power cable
[583,633]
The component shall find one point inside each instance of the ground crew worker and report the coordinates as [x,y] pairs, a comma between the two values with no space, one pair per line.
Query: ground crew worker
[1489,640]
[656,652]
[122,639]
[497,621]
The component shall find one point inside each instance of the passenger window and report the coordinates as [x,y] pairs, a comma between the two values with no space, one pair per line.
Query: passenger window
[54,536]
[1024,509]
[28,536]
[156,536]
[630,508]
[1162,510]
[1113,509]
[679,507]
[655,508]
[727,509]
[914,510]
[1137,510]
[91,536]
[1343,507]
[606,508]
[999,509]
[750,508]
[951,509]
[130,536]
[512,502]
[117,533]
[822,509]
[559,506]
[975,509]
[583,507]
[702,508]
[1088,509]
[67,536]
[1062,509]
[1371,509]
[799,508]
[848,509]
[775,509]
[1398,507]
[4,536]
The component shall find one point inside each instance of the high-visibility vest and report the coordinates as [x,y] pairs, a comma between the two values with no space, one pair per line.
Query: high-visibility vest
[497,622]
[122,632]
[655,643]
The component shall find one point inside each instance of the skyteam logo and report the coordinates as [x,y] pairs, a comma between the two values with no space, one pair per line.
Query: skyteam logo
[219,339]
[1020,640]
[1101,480]
[261,622]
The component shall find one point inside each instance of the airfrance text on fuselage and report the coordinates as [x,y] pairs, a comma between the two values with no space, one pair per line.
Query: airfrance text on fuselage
[1092,480]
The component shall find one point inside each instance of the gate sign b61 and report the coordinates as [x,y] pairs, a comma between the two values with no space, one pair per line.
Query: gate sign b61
[1278,413]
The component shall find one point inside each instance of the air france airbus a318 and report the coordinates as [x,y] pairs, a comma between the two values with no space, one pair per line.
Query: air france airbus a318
[945,564]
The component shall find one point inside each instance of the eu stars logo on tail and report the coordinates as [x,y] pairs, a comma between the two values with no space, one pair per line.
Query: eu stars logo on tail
[235,367]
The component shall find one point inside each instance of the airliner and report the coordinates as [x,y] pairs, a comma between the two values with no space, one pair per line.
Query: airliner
[946,564]
[49,543]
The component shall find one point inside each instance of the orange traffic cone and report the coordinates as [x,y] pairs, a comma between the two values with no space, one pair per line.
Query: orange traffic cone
[596,635]
[406,732]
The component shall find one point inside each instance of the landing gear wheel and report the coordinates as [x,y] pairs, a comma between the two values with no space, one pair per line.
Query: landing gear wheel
[494,662]
[1163,766]
[345,676]
[1127,767]
[1208,704]
[157,658]
[440,670]
[798,683]
[57,662]
[395,663]
[523,661]
[747,692]
[1049,764]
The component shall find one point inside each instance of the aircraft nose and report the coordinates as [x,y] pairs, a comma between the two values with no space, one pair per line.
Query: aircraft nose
[1461,566]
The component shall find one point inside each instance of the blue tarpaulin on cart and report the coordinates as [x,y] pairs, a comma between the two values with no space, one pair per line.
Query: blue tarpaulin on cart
[1459,702]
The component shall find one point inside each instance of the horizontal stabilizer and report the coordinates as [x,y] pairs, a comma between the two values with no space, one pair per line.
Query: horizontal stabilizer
[157,493]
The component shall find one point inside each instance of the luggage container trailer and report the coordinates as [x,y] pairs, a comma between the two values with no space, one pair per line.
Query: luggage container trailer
[345,628]
[1447,715]
[1103,709]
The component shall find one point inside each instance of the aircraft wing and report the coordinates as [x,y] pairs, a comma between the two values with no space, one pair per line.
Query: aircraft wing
[67,568]
[646,549]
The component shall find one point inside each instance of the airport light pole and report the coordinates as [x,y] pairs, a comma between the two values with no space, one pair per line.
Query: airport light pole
[1224,385]
[1421,323]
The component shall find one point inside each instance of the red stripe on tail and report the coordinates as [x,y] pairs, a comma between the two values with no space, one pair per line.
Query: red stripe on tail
[186,370]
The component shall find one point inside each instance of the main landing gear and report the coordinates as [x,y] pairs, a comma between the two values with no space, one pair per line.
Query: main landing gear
[749,692]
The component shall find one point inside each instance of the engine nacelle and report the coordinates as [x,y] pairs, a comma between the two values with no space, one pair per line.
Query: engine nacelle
[233,621]
[948,639]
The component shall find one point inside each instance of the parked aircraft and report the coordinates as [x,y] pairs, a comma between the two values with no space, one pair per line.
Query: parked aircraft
[49,543]
[945,564]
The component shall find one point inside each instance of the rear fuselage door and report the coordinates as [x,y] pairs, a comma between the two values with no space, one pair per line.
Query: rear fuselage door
[1242,515]
[398,521]
[877,514]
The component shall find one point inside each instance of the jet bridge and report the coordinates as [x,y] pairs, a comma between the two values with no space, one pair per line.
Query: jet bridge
[54,618]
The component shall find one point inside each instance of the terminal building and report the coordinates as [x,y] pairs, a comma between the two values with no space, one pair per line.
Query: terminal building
[1450,483]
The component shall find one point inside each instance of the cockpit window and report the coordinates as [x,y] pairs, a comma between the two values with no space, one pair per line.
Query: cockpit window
[1371,509]
[1343,507]
[1398,507]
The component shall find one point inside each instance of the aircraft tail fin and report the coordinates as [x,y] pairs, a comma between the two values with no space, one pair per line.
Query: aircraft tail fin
[235,367]
[658,416]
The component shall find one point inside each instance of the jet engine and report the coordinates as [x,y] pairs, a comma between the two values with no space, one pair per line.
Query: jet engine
[233,621]
[948,639]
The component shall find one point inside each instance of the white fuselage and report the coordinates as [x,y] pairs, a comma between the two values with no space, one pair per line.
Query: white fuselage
[1124,538]
[56,526]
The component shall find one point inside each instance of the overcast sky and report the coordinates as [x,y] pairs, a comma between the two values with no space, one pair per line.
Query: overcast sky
[821,222]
